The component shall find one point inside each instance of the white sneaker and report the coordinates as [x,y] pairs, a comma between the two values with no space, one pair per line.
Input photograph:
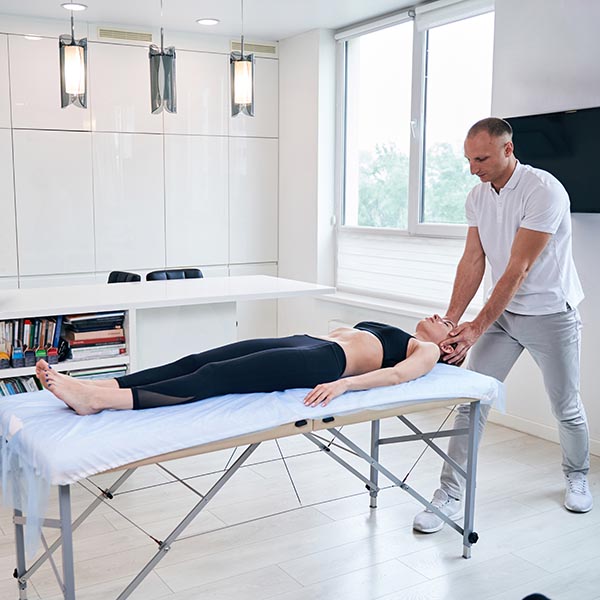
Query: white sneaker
[428,522]
[578,497]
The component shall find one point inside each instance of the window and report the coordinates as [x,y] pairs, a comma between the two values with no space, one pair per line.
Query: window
[411,88]
[378,68]
[458,92]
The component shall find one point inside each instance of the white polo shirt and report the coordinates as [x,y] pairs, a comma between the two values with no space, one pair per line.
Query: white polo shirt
[533,199]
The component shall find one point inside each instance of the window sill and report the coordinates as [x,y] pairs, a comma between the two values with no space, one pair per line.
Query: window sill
[395,307]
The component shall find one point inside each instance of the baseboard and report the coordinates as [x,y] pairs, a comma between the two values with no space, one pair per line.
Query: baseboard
[526,426]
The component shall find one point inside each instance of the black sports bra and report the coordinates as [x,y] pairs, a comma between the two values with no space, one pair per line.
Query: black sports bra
[394,341]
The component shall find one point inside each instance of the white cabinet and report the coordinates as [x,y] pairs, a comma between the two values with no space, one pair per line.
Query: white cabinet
[128,200]
[53,175]
[257,318]
[120,89]
[8,232]
[9,283]
[4,93]
[196,200]
[265,122]
[202,95]
[35,87]
[46,281]
[253,200]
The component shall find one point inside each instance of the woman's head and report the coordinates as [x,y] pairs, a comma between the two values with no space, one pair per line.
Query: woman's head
[435,329]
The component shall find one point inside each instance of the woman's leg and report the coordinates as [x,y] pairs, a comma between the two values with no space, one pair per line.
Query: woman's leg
[269,370]
[193,362]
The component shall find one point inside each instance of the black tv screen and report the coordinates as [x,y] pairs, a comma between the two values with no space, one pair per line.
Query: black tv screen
[566,145]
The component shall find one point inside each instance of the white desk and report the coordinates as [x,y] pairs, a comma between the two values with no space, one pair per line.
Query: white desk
[164,319]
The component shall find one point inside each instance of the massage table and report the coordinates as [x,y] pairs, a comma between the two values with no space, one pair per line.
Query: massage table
[45,444]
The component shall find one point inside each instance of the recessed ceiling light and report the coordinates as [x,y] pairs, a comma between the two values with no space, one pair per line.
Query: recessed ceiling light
[74,6]
[208,21]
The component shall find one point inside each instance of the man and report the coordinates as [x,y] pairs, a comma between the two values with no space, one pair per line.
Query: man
[519,220]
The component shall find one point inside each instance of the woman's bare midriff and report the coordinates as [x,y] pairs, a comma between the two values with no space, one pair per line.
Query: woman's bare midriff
[363,350]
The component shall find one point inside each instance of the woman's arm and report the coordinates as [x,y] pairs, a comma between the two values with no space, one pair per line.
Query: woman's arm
[420,361]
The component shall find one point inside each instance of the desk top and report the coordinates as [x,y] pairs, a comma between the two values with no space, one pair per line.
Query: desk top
[42,302]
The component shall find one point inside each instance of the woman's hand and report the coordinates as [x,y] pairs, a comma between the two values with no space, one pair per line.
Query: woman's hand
[324,393]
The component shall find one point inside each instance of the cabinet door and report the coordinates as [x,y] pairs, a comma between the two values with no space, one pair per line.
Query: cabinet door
[120,88]
[265,122]
[257,318]
[8,255]
[202,94]
[53,176]
[196,200]
[35,87]
[4,93]
[129,201]
[253,200]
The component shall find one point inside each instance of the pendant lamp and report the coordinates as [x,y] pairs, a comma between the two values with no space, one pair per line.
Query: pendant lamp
[163,92]
[73,66]
[242,79]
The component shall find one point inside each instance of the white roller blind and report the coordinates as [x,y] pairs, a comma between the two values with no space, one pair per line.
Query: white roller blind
[446,11]
[406,267]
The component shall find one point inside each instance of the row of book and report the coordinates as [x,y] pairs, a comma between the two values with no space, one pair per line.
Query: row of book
[24,341]
[92,336]
[20,385]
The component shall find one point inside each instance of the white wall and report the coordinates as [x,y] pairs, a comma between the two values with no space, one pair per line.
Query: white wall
[115,187]
[546,59]
[306,168]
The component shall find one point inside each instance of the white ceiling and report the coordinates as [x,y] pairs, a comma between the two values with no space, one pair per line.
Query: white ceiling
[266,20]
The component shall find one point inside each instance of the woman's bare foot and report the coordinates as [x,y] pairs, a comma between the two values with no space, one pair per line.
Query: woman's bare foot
[86,399]
[42,368]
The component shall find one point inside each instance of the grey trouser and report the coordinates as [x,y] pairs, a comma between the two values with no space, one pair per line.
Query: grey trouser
[554,342]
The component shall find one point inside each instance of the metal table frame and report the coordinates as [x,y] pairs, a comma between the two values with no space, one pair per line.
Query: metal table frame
[310,430]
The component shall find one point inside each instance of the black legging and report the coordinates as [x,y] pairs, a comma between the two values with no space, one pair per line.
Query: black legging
[263,365]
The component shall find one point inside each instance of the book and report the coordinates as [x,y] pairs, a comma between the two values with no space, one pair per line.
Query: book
[115,332]
[57,331]
[96,342]
[98,352]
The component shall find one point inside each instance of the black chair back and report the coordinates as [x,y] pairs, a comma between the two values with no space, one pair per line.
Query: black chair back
[123,277]
[174,274]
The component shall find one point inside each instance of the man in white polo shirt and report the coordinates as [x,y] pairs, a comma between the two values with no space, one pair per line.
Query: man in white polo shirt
[519,220]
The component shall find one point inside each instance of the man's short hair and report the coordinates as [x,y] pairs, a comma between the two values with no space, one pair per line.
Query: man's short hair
[493,126]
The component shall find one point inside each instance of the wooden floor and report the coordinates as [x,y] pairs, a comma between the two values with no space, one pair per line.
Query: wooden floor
[328,548]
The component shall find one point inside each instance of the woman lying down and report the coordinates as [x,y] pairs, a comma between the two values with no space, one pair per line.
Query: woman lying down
[366,356]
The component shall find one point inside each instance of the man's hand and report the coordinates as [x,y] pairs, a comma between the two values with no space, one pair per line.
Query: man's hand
[324,393]
[463,336]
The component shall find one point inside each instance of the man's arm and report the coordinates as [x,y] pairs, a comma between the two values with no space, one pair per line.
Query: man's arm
[469,274]
[527,246]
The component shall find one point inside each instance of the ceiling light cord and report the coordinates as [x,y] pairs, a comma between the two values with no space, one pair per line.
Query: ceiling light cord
[242,41]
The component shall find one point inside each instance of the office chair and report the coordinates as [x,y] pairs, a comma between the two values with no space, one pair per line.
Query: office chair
[123,277]
[174,274]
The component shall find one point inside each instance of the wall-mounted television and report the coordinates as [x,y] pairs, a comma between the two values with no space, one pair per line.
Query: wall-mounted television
[566,145]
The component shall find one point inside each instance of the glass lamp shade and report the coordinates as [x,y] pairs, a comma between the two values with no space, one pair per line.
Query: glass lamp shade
[163,90]
[73,71]
[242,84]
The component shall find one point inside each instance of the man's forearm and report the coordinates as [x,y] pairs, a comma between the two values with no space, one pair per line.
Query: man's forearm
[468,279]
[503,293]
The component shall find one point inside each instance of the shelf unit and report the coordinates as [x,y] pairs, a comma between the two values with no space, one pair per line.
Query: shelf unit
[72,365]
